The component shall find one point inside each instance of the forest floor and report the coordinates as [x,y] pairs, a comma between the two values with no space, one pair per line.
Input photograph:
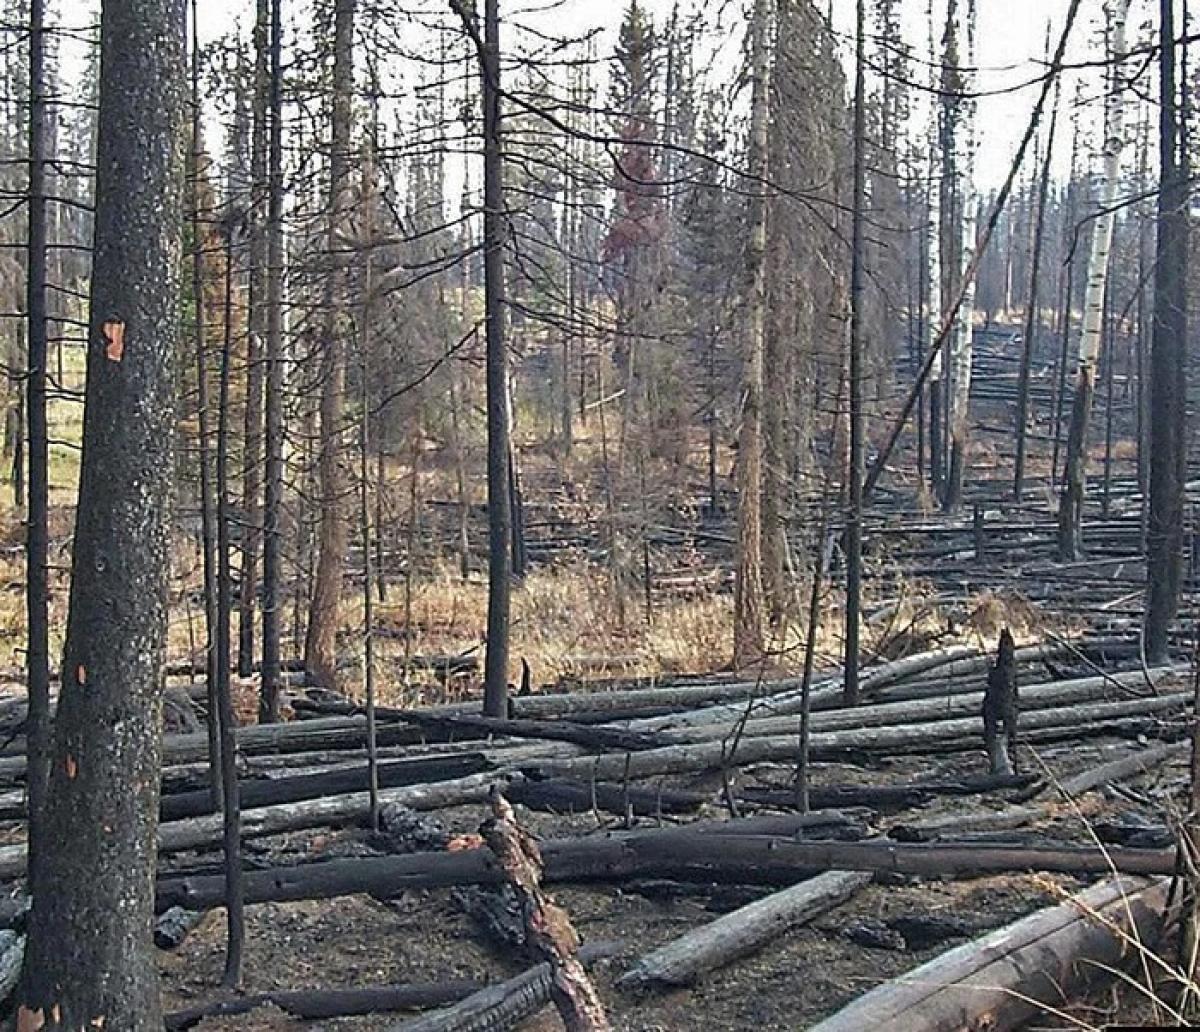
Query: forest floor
[795,981]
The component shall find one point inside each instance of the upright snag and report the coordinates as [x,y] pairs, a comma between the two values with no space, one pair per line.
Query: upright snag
[1001,708]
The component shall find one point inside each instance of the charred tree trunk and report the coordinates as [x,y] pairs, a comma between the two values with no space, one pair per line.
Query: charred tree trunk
[252,511]
[320,645]
[1031,305]
[224,716]
[1000,709]
[89,957]
[37,585]
[273,495]
[857,470]
[1168,385]
[748,641]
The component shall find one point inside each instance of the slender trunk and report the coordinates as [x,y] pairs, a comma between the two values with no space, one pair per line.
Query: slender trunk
[857,469]
[253,440]
[273,496]
[1168,385]
[37,585]
[364,510]
[204,423]
[230,801]
[89,959]
[1070,509]
[962,346]
[1031,306]
[320,646]
[495,702]
[748,643]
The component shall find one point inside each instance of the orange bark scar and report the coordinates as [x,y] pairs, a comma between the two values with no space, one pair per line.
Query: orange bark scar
[81,674]
[30,1020]
[72,767]
[114,335]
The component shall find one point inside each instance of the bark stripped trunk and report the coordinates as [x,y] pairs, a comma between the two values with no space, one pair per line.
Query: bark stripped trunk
[962,344]
[1070,507]
[320,645]
[89,961]
[1168,385]
[748,643]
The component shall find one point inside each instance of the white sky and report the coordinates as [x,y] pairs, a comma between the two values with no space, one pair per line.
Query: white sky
[1010,39]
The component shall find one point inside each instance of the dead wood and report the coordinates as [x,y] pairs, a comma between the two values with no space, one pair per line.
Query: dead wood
[743,931]
[317,1004]
[666,853]
[548,927]
[1004,979]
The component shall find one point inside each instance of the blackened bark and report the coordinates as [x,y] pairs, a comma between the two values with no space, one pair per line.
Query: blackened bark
[89,960]
[37,588]
[208,538]
[857,420]
[1000,708]
[1031,306]
[1168,384]
[273,498]
[225,719]
[253,430]
[495,701]
[320,646]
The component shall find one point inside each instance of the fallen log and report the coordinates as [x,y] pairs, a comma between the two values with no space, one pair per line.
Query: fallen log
[173,926]
[299,787]
[583,797]
[1015,974]
[673,853]
[318,1004]
[743,931]
[883,797]
[548,928]
[495,1008]
[205,832]
[552,730]
[1113,771]
[717,754]
[1050,695]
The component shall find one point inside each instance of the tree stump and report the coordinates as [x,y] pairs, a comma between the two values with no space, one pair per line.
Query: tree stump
[548,927]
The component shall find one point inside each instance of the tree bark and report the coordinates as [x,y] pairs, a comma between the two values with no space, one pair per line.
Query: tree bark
[89,958]
[748,616]
[857,470]
[1070,508]
[1168,384]
[273,495]
[37,586]
[252,473]
[324,613]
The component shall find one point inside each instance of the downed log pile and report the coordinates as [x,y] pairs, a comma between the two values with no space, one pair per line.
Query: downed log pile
[675,791]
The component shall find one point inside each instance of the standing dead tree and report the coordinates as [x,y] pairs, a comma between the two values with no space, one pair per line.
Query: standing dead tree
[1070,507]
[89,962]
[1168,383]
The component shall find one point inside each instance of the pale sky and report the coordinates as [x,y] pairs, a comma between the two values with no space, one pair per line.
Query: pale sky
[1011,37]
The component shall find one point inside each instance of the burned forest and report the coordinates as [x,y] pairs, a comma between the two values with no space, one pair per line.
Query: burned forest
[623,516]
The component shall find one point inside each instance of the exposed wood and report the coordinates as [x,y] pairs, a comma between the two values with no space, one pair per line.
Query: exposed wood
[1002,980]
[548,928]
[744,931]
